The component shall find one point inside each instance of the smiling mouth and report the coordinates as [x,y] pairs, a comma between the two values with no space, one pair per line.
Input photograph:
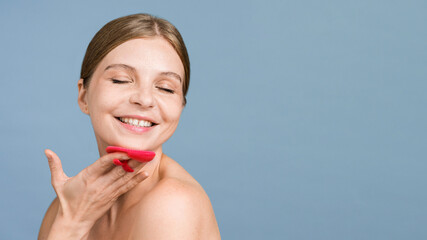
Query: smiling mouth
[136,122]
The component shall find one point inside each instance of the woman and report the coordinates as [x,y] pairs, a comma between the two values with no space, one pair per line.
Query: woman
[134,79]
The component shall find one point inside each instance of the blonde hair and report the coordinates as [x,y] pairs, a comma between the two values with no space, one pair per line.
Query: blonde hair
[129,27]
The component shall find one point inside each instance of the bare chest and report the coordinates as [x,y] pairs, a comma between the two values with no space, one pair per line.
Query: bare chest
[107,230]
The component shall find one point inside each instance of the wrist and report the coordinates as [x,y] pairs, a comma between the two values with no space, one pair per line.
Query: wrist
[64,228]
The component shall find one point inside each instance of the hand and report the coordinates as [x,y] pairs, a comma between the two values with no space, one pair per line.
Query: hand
[84,198]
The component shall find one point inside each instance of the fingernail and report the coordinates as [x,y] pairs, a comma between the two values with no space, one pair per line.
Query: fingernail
[126,167]
[117,162]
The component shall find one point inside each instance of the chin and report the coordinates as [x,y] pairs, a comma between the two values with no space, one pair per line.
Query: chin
[136,145]
[137,142]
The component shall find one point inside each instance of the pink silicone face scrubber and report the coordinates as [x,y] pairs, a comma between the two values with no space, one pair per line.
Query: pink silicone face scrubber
[138,155]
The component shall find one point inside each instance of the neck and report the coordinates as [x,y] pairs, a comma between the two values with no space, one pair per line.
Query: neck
[133,196]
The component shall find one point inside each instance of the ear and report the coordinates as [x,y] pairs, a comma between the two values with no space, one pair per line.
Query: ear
[82,98]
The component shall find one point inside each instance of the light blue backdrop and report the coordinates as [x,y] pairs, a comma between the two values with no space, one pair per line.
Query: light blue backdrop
[305,119]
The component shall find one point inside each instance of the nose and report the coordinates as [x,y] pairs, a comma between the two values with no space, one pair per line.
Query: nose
[142,97]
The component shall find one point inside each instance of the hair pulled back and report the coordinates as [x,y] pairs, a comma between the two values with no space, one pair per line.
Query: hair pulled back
[129,27]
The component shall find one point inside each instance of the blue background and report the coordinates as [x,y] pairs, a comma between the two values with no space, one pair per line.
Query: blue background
[305,119]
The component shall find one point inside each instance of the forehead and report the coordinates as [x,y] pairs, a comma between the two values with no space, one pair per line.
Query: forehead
[146,55]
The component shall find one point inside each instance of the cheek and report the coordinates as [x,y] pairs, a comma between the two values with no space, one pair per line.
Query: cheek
[170,107]
[172,111]
[102,101]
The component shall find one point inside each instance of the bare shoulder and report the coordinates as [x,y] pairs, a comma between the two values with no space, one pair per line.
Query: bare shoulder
[176,208]
[48,219]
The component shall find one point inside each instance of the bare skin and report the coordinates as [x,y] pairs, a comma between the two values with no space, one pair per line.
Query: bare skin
[131,217]
[141,81]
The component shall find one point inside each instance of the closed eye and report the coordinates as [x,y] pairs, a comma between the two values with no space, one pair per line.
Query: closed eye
[166,90]
[118,81]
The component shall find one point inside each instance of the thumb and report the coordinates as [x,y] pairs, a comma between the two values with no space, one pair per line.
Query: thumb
[55,166]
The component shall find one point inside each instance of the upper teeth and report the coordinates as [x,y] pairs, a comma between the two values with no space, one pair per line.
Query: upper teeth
[136,122]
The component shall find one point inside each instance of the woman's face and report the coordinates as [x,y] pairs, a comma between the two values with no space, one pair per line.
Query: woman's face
[135,95]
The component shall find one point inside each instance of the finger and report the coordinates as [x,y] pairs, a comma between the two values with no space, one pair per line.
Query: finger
[136,165]
[55,165]
[117,162]
[127,182]
[129,167]
[105,163]
[117,173]
[126,166]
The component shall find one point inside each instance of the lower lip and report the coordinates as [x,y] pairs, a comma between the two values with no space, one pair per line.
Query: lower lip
[135,129]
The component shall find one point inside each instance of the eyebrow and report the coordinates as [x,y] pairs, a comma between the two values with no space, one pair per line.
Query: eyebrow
[171,74]
[127,67]
[133,70]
